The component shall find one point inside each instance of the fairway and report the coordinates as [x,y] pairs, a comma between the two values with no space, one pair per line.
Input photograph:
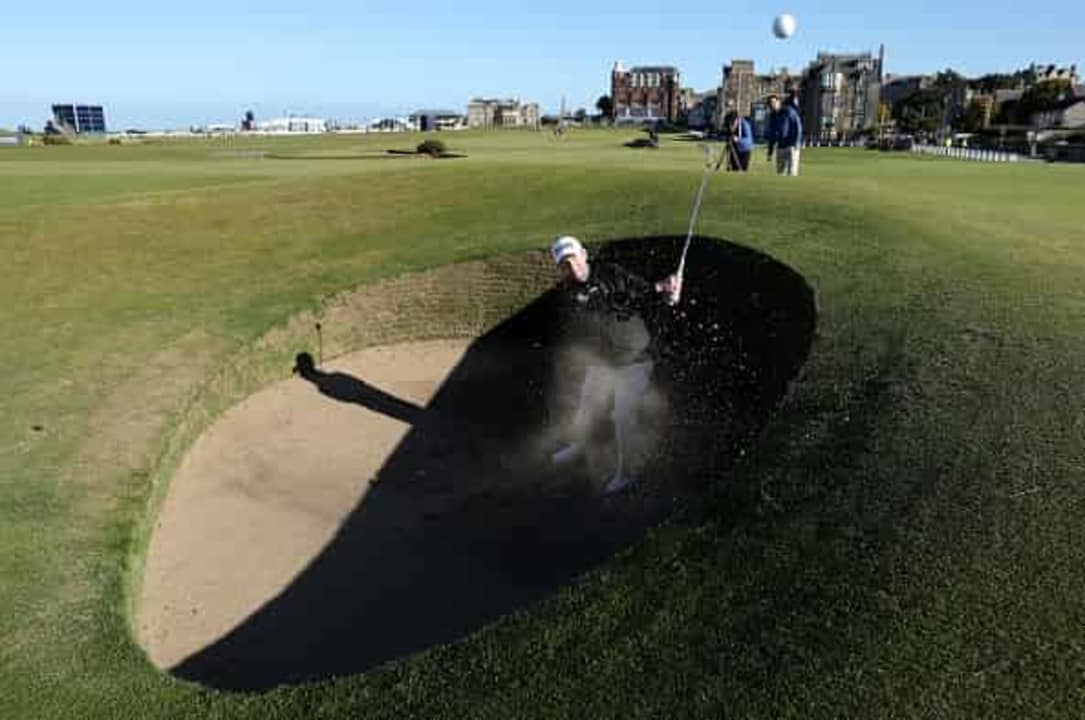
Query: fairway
[902,538]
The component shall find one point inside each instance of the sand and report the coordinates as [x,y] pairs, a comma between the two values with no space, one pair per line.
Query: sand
[266,488]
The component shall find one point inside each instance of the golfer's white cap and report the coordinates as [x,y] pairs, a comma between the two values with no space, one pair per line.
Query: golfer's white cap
[565,246]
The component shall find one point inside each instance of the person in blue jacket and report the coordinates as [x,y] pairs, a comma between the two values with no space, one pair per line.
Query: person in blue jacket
[785,136]
[741,139]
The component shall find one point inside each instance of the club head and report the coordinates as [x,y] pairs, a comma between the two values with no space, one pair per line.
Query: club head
[709,154]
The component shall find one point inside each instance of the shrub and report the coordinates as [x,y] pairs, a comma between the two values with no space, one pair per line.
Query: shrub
[56,140]
[433,148]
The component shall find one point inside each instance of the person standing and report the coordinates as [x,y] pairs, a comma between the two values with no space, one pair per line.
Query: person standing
[785,136]
[741,141]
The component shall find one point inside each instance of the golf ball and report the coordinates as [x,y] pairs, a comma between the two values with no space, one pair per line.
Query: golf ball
[783,26]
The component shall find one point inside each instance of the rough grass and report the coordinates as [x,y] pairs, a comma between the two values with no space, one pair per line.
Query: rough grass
[906,540]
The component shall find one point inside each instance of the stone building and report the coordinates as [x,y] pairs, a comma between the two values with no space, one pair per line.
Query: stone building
[839,95]
[743,91]
[502,113]
[649,93]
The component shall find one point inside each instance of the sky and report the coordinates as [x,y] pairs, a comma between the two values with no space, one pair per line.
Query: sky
[202,62]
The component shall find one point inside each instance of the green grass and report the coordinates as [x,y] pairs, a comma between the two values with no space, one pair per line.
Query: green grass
[906,540]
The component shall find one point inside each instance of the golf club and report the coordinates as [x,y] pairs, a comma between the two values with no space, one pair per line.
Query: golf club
[710,167]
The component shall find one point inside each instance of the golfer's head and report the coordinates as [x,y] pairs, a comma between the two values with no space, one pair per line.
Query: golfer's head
[774,102]
[570,257]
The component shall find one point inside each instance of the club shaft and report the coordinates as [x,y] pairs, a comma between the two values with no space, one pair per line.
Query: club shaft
[693,220]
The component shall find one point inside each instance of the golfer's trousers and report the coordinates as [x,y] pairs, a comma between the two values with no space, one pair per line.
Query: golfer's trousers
[787,161]
[626,384]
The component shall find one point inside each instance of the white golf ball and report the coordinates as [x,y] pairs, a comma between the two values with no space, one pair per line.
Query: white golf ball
[783,26]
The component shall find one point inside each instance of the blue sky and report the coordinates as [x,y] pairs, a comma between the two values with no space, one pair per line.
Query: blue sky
[201,62]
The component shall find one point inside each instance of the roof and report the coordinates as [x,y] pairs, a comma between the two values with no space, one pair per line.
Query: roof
[894,79]
[843,57]
[435,112]
[1066,103]
[653,68]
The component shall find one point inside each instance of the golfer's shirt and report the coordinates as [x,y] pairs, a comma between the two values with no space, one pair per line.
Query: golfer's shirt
[605,313]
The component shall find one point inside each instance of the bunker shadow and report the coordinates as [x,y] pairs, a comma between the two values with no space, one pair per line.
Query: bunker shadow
[468,521]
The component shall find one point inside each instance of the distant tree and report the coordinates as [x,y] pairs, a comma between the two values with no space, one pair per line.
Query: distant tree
[249,123]
[972,120]
[1042,96]
[987,84]
[605,106]
[1006,113]
[949,79]
[580,115]
[921,112]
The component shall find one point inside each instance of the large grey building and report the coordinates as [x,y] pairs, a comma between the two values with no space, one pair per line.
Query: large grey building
[1068,113]
[840,95]
[898,88]
[502,113]
[80,119]
[744,91]
[702,111]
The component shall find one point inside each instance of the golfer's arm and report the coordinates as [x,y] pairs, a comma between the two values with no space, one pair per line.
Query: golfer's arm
[638,290]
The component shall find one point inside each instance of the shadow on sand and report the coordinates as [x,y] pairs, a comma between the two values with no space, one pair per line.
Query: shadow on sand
[467,520]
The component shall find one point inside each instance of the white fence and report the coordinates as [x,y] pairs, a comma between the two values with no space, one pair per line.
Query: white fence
[963,153]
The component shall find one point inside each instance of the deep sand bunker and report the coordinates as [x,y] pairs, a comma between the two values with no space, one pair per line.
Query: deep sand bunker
[401,496]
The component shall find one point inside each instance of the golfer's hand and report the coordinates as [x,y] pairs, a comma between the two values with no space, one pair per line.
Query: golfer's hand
[671,286]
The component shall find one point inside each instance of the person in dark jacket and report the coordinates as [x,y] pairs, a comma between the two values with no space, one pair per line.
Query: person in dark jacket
[741,139]
[604,303]
[785,136]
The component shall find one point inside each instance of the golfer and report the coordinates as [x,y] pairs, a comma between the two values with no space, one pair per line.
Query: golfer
[785,135]
[604,303]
